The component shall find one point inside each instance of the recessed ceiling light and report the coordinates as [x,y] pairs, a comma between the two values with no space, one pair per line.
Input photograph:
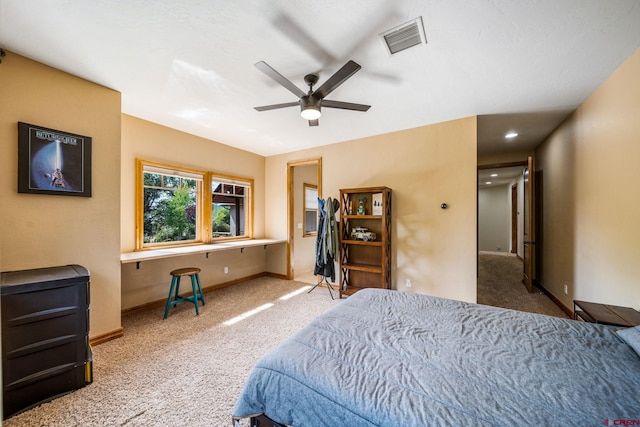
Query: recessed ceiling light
[494,174]
[511,135]
[488,182]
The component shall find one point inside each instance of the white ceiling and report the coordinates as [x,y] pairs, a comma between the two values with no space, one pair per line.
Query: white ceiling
[521,65]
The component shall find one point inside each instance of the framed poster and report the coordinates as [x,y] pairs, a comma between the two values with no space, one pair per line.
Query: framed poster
[53,162]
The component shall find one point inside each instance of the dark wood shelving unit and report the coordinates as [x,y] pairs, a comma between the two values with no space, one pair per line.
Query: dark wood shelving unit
[365,264]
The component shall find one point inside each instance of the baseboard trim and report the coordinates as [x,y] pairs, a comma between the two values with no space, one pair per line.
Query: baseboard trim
[555,300]
[162,302]
[107,336]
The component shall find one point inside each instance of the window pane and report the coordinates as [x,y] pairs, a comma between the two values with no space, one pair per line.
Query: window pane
[191,184]
[152,179]
[171,181]
[310,197]
[311,221]
[169,215]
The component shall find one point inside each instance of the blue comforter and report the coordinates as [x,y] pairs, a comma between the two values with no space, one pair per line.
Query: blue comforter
[389,358]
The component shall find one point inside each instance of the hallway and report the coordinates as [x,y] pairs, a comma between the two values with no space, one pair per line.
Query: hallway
[500,285]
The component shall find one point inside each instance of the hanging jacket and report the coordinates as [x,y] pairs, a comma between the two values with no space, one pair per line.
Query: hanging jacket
[327,239]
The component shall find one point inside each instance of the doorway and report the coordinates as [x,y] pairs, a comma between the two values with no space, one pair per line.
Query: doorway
[302,176]
[500,207]
[500,224]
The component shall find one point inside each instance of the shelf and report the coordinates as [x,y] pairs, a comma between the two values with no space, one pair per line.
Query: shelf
[351,290]
[363,267]
[154,254]
[361,242]
[365,264]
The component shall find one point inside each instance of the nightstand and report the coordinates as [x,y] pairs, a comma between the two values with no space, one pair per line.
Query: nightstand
[606,314]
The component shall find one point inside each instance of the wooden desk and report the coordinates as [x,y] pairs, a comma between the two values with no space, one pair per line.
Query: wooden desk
[140,256]
[606,314]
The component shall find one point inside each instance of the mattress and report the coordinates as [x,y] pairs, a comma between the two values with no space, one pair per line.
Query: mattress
[389,358]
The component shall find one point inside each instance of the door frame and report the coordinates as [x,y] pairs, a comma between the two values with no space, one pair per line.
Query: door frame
[291,165]
[514,219]
[529,230]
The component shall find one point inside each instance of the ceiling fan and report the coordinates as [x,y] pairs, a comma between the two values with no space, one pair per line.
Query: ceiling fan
[311,103]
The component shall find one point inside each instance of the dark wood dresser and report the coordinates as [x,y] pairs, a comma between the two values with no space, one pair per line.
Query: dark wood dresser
[606,314]
[45,335]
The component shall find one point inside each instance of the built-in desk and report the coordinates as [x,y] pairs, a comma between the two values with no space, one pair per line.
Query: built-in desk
[148,255]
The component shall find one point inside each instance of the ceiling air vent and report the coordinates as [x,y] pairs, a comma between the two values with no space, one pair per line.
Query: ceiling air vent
[404,36]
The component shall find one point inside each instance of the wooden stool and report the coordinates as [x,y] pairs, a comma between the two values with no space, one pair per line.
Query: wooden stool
[175,288]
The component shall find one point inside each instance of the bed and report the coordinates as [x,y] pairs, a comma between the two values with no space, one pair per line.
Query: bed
[389,358]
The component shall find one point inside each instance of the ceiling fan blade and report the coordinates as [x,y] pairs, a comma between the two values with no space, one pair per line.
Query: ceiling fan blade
[266,68]
[298,35]
[276,106]
[347,70]
[313,122]
[345,105]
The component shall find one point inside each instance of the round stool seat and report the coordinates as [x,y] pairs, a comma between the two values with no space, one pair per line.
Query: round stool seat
[185,271]
[174,291]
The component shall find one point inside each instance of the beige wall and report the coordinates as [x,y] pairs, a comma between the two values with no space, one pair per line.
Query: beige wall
[591,208]
[150,141]
[424,167]
[44,230]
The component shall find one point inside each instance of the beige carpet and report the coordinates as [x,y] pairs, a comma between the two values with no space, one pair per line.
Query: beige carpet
[186,370]
[189,370]
[500,285]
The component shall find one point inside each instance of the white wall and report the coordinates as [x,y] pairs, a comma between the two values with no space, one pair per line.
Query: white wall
[494,218]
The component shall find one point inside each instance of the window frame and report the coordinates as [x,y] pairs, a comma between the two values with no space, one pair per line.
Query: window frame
[305,209]
[248,209]
[204,201]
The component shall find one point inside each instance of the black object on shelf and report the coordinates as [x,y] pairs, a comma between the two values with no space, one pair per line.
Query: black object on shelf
[45,335]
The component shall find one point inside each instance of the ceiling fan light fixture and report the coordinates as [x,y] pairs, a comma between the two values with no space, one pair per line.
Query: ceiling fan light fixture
[311,113]
[310,108]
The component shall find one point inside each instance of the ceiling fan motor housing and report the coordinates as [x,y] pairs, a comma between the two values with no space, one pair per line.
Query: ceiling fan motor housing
[310,107]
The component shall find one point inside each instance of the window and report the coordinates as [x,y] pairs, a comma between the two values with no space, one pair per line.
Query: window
[229,200]
[170,207]
[310,213]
